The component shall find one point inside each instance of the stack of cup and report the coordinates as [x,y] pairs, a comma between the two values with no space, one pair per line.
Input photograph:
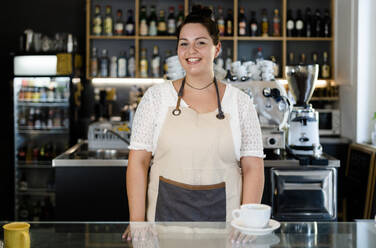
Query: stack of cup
[174,68]
[267,69]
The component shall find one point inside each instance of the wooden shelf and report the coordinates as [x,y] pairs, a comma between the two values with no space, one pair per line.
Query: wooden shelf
[117,37]
[285,41]
[260,38]
[309,38]
[332,99]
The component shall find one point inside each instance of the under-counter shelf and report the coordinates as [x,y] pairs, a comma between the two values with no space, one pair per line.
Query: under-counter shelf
[36,192]
[43,131]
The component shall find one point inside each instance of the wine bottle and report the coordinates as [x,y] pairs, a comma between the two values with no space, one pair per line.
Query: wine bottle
[308,23]
[299,24]
[242,31]
[290,24]
[276,23]
[253,26]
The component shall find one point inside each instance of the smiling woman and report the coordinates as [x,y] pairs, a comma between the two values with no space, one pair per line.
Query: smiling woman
[204,135]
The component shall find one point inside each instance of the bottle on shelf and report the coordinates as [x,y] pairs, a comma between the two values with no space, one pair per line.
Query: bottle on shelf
[97,21]
[131,62]
[156,62]
[228,61]
[308,23]
[22,184]
[290,24]
[171,21]
[259,56]
[325,67]
[30,119]
[129,26]
[315,58]
[104,64]
[108,21]
[317,24]
[37,119]
[119,24]
[113,67]
[275,67]
[276,23]
[229,23]
[299,24]
[213,12]
[94,63]
[22,118]
[253,26]
[264,23]
[162,26]
[122,65]
[242,31]
[221,21]
[291,59]
[43,94]
[153,22]
[327,32]
[143,21]
[21,153]
[180,18]
[143,64]
[303,60]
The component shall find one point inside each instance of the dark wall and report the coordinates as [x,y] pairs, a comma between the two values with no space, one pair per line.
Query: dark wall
[43,16]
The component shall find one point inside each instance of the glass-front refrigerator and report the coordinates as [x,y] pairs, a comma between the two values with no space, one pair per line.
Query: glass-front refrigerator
[41,110]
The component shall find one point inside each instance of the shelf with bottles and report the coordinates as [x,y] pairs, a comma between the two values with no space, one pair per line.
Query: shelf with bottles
[38,155]
[42,119]
[35,207]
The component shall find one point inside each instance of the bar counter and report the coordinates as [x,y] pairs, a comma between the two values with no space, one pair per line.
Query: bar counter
[200,234]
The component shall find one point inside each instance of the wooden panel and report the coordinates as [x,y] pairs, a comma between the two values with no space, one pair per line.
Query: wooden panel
[358,176]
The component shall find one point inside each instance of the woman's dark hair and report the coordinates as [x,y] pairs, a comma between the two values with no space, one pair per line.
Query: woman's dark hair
[202,15]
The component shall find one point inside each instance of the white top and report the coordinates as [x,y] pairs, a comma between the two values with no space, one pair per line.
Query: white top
[152,110]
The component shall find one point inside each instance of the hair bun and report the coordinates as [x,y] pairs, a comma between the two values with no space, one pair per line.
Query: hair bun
[201,11]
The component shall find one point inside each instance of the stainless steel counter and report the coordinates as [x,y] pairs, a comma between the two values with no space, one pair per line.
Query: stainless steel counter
[79,156]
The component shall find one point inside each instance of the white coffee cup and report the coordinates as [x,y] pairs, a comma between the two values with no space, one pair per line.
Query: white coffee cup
[252,215]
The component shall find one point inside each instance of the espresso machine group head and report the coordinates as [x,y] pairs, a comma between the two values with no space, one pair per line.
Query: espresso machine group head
[303,134]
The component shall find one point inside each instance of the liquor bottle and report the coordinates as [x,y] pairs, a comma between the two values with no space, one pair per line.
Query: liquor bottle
[275,66]
[156,62]
[276,23]
[317,24]
[129,26]
[113,67]
[228,61]
[180,18]
[264,23]
[259,56]
[143,64]
[325,67]
[94,63]
[308,23]
[21,154]
[97,21]
[315,58]
[165,66]
[229,22]
[22,118]
[153,21]
[30,119]
[290,24]
[23,185]
[327,24]
[242,31]
[299,24]
[253,26]
[143,21]
[119,25]
[122,65]
[221,21]
[37,119]
[303,60]
[162,27]
[108,21]
[131,63]
[291,58]
[49,119]
[104,64]
[51,95]
[171,21]
[43,94]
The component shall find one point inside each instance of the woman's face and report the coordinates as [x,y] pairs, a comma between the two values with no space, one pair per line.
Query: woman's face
[196,50]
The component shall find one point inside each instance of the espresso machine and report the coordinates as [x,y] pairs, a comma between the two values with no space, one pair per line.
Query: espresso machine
[303,133]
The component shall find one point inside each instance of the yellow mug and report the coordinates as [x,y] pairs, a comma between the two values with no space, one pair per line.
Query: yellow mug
[16,235]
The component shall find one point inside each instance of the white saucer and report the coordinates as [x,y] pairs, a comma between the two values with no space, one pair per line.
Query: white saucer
[272,225]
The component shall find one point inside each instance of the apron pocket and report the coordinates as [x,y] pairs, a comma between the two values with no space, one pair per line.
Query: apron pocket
[183,202]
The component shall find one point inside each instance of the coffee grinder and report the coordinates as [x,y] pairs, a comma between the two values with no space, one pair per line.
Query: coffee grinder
[303,134]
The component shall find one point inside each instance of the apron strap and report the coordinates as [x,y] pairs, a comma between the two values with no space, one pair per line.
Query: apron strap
[177,111]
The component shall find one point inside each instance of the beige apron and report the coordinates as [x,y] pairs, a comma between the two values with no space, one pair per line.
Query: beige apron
[195,175]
